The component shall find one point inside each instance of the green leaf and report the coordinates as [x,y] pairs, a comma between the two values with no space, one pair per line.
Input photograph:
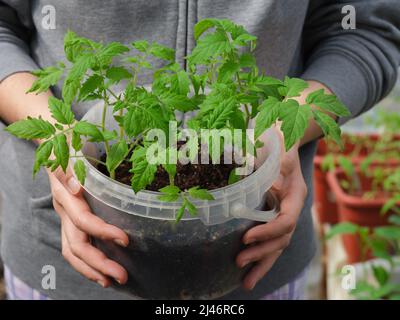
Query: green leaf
[202,26]
[388,232]
[201,194]
[162,52]
[210,46]
[347,166]
[31,128]
[42,154]
[294,87]
[113,49]
[76,141]
[134,122]
[328,126]
[191,207]
[89,130]
[247,60]
[70,90]
[143,172]
[389,205]
[61,150]
[80,171]
[141,45]
[233,177]
[116,74]
[90,85]
[380,274]
[117,154]
[269,114]
[180,212]
[221,114]
[61,111]
[342,228]
[183,82]
[227,71]
[170,193]
[327,102]
[295,120]
[46,78]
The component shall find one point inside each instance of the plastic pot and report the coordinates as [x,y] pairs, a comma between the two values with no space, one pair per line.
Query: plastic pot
[358,210]
[192,259]
[324,199]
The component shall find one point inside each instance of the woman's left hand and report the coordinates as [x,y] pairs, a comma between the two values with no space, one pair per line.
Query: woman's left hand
[267,241]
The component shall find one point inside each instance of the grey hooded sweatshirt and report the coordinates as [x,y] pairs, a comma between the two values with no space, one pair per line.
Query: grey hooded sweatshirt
[303,38]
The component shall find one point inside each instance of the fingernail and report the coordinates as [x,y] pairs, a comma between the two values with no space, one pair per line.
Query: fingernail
[119,281]
[73,185]
[120,242]
[249,241]
[102,283]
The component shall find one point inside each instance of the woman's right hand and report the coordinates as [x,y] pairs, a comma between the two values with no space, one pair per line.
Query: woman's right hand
[78,224]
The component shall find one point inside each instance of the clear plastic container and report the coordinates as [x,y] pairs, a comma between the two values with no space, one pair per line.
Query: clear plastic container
[192,259]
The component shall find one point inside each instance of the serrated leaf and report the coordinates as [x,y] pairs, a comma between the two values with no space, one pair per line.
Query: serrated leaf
[61,150]
[46,78]
[221,114]
[143,174]
[182,83]
[70,90]
[89,130]
[294,87]
[134,122]
[80,171]
[327,102]
[202,194]
[116,74]
[90,85]
[116,155]
[209,46]
[227,71]
[295,120]
[31,128]
[111,50]
[61,111]
[202,26]
[328,126]
[168,197]
[269,114]
[162,52]
[42,154]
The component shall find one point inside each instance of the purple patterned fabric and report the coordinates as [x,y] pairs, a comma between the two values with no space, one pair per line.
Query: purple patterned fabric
[18,290]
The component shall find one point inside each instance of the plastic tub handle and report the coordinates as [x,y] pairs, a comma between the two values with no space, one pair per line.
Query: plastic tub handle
[239,210]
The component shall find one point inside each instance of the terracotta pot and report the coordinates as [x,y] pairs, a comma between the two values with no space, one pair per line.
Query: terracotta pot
[358,210]
[324,200]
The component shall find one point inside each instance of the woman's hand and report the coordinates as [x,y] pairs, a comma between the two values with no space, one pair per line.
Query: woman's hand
[267,241]
[77,224]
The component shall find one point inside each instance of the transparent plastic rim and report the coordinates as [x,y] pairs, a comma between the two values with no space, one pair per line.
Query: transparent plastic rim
[143,197]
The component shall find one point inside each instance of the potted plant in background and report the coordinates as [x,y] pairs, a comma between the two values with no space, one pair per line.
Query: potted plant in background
[382,147]
[366,197]
[133,183]
[378,272]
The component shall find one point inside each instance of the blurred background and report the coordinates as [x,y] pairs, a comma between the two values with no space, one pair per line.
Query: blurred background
[356,209]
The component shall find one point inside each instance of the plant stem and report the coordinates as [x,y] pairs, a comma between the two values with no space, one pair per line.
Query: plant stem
[89,158]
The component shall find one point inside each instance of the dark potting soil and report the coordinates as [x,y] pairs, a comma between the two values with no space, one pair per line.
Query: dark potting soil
[206,176]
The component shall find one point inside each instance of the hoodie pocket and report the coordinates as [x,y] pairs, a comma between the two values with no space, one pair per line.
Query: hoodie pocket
[46,223]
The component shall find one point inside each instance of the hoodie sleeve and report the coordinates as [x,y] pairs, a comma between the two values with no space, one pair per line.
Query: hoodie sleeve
[359,65]
[15,32]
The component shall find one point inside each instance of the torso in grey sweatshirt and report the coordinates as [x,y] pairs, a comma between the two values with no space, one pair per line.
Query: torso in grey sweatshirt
[296,37]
